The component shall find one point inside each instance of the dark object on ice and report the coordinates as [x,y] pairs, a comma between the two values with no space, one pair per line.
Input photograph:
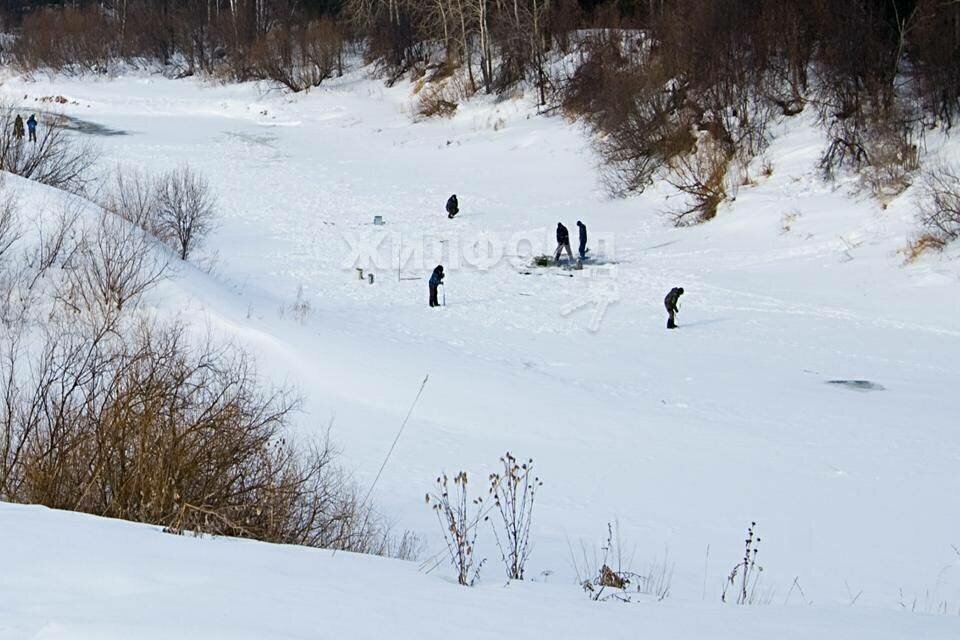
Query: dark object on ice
[453,206]
[583,239]
[32,127]
[96,129]
[858,385]
[18,127]
[670,302]
[436,279]
[563,242]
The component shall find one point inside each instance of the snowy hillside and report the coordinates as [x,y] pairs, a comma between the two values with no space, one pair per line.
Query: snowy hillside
[683,437]
[76,576]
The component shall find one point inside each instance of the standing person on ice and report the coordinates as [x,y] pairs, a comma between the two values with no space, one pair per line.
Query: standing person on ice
[32,127]
[436,279]
[583,239]
[563,242]
[18,127]
[671,303]
[453,207]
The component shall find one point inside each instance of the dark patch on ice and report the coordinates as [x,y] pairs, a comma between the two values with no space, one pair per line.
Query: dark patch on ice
[858,385]
[83,126]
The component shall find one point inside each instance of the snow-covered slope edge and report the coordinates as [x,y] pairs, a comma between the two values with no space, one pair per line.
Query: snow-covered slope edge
[67,575]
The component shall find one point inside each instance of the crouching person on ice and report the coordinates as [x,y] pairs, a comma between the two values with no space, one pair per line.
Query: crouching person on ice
[436,279]
[671,301]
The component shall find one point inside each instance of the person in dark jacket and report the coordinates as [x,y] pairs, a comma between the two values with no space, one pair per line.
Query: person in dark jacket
[436,279]
[583,239]
[32,127]
[671,303]
[563,242]
[18,127]
[453,207]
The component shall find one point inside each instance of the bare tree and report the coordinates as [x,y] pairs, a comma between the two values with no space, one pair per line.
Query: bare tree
[701,177]
[939,203]
[186,210]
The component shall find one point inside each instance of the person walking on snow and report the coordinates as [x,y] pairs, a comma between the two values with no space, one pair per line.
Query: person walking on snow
[583,239]
[672,309]
[453,207]
[563,242]
[436,279]
[18,127]
[32,126]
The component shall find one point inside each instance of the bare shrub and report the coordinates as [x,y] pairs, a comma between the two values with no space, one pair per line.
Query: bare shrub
[939,203]
[650,138]
[65,38]
[301,308]
[744,578]
[922,244]
[892,161]
[701,177]
[139,423]
[57,158]
[607,574]
[638,113]
[12,301]
[9,219]
[300,57]
[106,411]
[434,100]
[132,196]
[514,491]
[114,265]
[459,517]
[186,210]
[442,97]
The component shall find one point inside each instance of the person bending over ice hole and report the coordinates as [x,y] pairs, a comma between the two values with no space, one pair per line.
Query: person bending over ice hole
[453,207]
[436,279]
[32,127]
[671,303]
[583,240]
[563,242]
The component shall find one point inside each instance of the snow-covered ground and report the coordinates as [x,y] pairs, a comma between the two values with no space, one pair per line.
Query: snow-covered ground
[682,437]
[71,576]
